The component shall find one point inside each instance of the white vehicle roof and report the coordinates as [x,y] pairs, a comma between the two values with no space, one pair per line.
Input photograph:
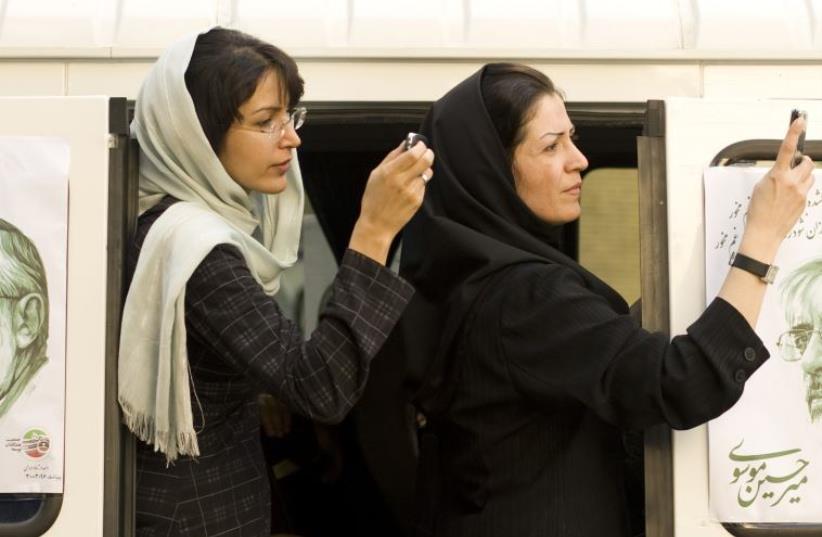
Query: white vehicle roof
[573,29]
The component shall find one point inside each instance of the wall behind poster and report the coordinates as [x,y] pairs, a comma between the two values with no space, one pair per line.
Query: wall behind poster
[34,199]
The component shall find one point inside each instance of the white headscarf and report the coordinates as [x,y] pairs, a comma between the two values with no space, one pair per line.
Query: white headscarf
[176,159]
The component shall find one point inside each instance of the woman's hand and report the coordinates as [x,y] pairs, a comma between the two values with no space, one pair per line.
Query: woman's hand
[392,195]
[778,200]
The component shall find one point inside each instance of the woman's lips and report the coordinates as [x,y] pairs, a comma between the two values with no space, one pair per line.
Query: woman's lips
[574,190]
[282,167]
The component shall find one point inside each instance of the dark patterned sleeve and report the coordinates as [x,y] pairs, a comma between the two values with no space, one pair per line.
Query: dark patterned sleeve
[321,378]
[561,341]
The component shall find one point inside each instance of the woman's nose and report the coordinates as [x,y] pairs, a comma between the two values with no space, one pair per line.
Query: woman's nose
[812,358]
[290,138]
[577,161]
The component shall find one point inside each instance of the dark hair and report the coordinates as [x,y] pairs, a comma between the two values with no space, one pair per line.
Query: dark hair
[225,68]
[509,91]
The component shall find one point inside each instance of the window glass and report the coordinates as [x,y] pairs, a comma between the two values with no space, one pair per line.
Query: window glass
[609,229]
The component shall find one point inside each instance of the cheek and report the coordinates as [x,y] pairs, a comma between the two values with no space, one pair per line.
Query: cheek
[237,159]
[538,184]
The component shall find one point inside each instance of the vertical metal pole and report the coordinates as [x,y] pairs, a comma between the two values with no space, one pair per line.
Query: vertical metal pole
[653,248]
[118,483]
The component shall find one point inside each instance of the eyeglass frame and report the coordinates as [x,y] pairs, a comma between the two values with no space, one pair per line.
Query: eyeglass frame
[809,331]
[296,118]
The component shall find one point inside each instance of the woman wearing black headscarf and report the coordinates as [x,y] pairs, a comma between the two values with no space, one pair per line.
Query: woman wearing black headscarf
[529,366]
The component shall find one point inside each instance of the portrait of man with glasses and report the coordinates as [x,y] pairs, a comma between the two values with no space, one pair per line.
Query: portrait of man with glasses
[24,313]
[802,342]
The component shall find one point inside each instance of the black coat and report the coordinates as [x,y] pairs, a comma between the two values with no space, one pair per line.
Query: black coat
[548,376]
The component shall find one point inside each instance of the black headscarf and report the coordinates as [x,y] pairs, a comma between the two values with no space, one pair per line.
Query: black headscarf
[471,226]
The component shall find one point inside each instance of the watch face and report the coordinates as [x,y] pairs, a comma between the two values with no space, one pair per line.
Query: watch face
[770,276]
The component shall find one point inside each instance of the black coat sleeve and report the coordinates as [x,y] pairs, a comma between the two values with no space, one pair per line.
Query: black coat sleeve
[320,378]
[562,342]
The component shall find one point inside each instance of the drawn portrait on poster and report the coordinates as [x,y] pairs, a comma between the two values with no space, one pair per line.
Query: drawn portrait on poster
[24,309]
[33,261]
[765,454]
[801,343]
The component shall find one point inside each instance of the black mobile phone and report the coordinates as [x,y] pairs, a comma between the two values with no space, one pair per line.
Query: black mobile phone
[412,138]
[800,144]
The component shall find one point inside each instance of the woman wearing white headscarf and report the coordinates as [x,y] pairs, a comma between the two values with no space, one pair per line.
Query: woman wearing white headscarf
[221,202]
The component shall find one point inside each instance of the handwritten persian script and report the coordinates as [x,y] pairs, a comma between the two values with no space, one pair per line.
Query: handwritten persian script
[755,481]
[808,227]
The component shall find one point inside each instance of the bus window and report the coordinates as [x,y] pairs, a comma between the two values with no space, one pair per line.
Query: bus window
[609,228]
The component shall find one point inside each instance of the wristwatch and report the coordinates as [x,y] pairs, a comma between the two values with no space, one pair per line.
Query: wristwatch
[766,273]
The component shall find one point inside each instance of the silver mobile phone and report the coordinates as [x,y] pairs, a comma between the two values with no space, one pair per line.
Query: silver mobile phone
[800,144]
[412,138]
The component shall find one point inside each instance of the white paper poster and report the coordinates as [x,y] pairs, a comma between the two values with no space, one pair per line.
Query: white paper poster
[765,454]
[33,260]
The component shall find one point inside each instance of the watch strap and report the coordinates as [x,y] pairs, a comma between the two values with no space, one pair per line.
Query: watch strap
[765,272]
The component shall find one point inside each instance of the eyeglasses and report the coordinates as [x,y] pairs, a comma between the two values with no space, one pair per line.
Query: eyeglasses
[793,343]
[276,129]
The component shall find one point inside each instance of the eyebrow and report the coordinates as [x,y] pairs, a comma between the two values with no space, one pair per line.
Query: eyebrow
[571,131]
[271,108]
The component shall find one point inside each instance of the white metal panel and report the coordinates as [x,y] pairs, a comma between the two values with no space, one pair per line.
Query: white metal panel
[551,24]
[106,78]
[84,123]
[381,80]
[639,29]
[427,81]
[400,23]
[154,24]
[640,24]
[696,130]
[49,23]
[624,82]
[815,12]
[24,78]
[753,25]
[308,23]
[760,81]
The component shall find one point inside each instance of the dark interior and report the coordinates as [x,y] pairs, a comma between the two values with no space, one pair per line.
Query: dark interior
[343,142]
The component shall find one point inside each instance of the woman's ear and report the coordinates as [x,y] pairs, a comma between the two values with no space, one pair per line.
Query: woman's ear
[27,319]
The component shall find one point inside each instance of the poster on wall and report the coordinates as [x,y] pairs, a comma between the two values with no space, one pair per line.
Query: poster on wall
[33,260]
[765,454]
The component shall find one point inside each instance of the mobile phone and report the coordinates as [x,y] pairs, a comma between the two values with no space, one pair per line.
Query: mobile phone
[800,144]
[412,138]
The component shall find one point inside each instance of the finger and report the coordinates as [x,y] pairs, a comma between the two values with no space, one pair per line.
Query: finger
[804,168]
[394,153]
[788,147]
[406,161]
[424,164]
[806,183]
[417,189]
[427,174]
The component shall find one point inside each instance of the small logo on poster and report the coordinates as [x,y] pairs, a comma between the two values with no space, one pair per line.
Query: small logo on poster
[34,444]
